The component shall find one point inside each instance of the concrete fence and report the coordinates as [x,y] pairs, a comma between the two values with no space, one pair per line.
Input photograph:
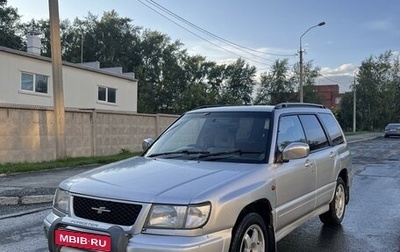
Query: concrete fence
[27,133]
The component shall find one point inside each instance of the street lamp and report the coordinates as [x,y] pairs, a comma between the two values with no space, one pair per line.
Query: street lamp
[301,60]
[354,99]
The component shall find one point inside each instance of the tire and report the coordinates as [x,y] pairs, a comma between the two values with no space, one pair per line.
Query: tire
[250,235]
[337,207]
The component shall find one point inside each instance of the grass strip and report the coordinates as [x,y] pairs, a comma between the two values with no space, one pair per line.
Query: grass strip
[8,168]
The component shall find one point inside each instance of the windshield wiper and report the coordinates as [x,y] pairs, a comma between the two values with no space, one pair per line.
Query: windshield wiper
[188,152]
[226,154]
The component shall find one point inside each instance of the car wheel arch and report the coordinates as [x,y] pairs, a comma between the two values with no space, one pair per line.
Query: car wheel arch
[264,209]
[345,176]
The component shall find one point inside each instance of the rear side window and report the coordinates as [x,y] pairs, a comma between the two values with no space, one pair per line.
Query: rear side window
[333,128]
[315,134]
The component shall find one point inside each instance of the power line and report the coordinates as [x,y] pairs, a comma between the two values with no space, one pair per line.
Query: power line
[195,34]
[241,56]
[330,79]
[240,47]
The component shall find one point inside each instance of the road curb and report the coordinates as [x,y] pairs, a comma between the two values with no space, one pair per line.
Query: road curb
[9,201]
[362,139]
[25,200]
[36,199]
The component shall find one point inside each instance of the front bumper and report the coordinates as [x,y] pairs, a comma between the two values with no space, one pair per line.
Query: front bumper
[123,242]
[392,133]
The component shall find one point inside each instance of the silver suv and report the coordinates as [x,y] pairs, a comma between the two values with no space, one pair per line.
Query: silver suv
[233,178]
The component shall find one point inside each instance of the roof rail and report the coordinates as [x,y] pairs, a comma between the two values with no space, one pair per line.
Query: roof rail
[209,106]
[298,105]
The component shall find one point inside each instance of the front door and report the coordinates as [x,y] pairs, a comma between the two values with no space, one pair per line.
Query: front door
[295,179]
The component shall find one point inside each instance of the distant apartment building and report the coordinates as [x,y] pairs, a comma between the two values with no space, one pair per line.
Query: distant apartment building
[26,79]
[329,95]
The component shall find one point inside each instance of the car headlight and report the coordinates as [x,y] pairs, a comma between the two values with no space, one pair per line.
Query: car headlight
[61,200]
[178,217]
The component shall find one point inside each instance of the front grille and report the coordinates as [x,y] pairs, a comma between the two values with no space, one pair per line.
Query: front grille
[106,211]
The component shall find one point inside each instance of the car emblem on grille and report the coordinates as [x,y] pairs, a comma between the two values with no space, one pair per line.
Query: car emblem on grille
[100,210]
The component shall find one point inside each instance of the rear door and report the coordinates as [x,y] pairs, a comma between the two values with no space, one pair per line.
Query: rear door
[323,155]
[327,174]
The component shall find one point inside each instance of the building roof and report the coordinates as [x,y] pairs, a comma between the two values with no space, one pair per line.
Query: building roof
[69,64]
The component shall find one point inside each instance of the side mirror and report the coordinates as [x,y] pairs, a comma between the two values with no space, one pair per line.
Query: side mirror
[295,151]
[146,143]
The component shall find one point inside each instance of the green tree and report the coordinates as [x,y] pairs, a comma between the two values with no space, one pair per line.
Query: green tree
[276,86]
[345,113]
[375,96]
[239,83]
[279,84]
[395,88]
[10,27]
[111,40]
[42,29]
[199,83]
[311,73]
[377,93]
[81,41]
[158,73]
[115,37]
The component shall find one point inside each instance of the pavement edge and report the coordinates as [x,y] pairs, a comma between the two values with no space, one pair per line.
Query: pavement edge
[25,200]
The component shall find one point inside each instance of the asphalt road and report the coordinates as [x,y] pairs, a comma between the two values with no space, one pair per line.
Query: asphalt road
[372,221]
[23,233]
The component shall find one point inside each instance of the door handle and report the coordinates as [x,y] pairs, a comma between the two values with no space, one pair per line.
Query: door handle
[332,154]
[308,163]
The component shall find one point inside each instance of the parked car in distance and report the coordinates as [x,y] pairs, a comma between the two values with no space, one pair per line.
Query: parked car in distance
[219,179]
[392,129]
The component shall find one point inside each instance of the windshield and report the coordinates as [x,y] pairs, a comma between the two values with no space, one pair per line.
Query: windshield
[217,136]
[393,125]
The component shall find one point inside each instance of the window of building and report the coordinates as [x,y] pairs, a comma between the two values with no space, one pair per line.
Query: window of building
[107,94]
[111,95]
[34,82]
[102,94]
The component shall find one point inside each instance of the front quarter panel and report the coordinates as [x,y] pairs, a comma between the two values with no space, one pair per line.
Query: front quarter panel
[229,202]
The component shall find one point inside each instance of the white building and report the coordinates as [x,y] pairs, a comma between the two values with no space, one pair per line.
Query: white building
[26,79]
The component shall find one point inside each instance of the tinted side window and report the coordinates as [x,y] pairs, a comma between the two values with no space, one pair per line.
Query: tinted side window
[290,131]
[316,137]
[333,128]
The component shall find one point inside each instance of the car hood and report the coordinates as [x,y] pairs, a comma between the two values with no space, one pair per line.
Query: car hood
[157,180]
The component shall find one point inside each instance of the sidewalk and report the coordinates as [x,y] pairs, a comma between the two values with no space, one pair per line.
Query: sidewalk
[363,137]
[34,187]
[38,187]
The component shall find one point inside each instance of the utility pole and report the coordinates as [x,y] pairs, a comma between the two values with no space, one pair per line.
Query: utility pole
[301,74]
[354,104]
[58,92]
[81,47]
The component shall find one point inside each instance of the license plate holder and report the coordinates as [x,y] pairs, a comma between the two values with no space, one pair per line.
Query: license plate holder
[82,240]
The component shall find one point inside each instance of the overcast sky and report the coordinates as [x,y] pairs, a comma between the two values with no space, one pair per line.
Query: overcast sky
[354,30]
